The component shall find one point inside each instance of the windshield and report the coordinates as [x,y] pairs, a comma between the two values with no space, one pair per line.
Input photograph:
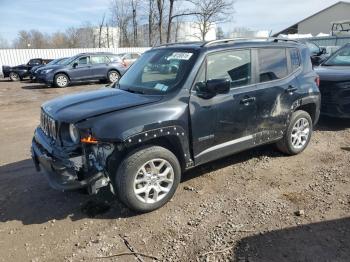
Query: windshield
[69,60]
[159,71]
[57,61]
[340,58]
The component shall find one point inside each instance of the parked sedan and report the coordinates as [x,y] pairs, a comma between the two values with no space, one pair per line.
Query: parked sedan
[335,84]
[34,69]
[19,72]
[81,68]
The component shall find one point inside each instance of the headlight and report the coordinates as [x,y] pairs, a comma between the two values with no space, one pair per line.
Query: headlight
[74,133]
[46,71]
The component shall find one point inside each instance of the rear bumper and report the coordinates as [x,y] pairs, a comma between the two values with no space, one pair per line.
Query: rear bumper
[61,173]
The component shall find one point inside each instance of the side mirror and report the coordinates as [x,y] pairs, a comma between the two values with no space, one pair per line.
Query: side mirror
[75,65]
[212,87]
[219,86]
[323,50]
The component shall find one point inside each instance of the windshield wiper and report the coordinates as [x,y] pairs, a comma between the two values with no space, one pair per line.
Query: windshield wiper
[134,91]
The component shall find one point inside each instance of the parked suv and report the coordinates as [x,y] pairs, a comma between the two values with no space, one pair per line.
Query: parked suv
[81,68]
[139,137]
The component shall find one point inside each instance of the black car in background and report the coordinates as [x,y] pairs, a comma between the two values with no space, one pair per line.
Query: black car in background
[19,72]
[335,84]
[57,61]
[139,137]
[81,68]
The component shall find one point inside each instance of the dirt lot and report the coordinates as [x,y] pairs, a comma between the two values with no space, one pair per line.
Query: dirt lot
[241,208]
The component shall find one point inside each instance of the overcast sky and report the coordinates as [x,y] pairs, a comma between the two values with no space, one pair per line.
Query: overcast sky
[53,15]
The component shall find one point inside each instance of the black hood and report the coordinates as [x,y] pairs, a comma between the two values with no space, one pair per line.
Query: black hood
[45,67]
[333,73]
[20,67]
[76,107]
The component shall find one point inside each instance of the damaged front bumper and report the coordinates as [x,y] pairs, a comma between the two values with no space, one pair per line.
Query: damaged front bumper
[63,172]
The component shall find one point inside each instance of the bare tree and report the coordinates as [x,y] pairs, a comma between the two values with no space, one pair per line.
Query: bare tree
[121,17]
[31,39]
[211,12]
[171,15]
[3,42]
[134,6]
[58,40]
[150,20]
[160,8]
[100,31]
[73,37]
[23,40]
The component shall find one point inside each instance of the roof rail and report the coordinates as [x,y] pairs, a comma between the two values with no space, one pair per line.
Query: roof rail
[180,43]
[230,40]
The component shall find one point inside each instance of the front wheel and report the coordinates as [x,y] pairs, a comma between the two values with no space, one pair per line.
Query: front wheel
[14,76]
[113,76]
[147,178]
[298,134]
[61,80]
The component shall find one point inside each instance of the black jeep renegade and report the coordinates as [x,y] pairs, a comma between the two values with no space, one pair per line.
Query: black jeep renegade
[179,106]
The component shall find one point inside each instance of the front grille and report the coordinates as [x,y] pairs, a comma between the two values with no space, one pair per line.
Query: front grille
[48,125]
[326,88]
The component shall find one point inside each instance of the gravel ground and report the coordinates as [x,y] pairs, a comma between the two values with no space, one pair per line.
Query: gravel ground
[254,206]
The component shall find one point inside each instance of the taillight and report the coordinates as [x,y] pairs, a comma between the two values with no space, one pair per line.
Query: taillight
[317,80]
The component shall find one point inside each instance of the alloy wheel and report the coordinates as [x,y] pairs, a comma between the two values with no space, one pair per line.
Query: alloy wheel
[300,133]
[153,181]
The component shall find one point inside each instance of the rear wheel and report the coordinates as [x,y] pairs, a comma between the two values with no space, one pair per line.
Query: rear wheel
[61,80]
[113,76]
[14,76]
[298,134]
[147,178]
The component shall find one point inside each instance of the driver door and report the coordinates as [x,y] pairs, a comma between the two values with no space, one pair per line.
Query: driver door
[225,123]
[82,70]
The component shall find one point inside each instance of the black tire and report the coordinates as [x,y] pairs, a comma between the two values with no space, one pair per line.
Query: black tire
[61,80]
[113,76]
[128,171]
[14,76]
[285,145]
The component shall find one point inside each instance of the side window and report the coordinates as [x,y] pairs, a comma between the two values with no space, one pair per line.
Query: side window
[341,58]
[272,64]
[294,58]
[232,65]
[83,60]
[135,56]
[34,62]
[314,49]
[98,60]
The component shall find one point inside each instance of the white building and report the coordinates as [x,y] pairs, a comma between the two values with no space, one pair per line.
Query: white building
[109,37]
[320,22]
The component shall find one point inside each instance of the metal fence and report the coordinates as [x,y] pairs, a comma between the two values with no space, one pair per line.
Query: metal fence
[12,57]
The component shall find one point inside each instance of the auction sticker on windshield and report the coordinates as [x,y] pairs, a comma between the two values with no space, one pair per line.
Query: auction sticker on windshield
[180,56]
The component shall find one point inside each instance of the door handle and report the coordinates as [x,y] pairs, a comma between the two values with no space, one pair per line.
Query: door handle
[248,100]
[291,89]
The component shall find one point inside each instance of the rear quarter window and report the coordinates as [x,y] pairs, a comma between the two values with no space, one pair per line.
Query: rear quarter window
[272,64]
[295,61]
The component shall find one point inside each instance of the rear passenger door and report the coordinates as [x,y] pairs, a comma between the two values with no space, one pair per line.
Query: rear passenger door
[276,87]
[99,66]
